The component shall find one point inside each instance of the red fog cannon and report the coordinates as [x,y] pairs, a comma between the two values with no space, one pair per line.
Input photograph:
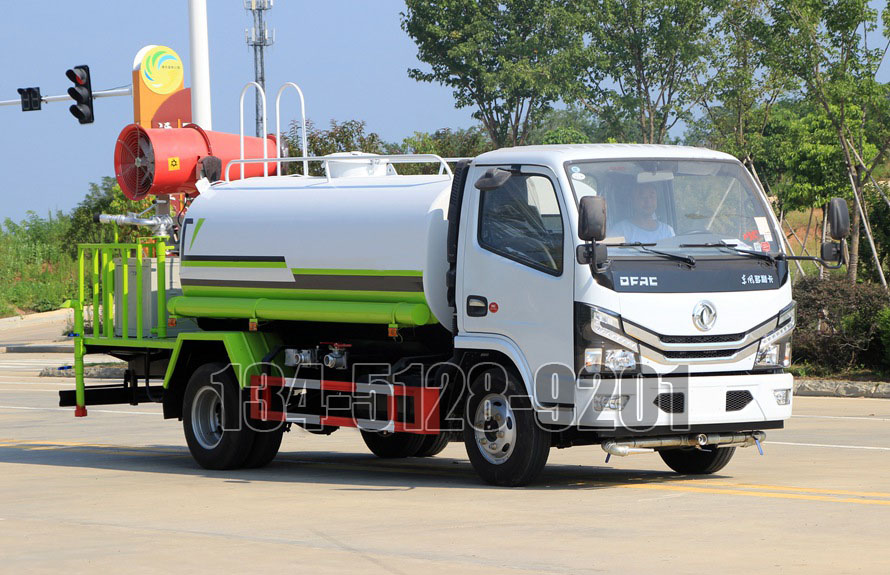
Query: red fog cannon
[168,161]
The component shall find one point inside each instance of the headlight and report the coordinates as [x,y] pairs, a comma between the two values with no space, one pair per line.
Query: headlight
[606,347]
[775,347]
[609,327]
[596,358]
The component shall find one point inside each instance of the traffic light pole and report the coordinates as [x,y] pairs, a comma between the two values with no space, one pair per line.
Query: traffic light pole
[66,98]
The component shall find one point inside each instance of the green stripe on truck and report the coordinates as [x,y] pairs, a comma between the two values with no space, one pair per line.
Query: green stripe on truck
[343,272]
[232,264]
[385,313]
[199,288]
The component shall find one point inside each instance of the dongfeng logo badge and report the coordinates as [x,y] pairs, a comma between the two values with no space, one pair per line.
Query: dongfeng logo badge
[704,315]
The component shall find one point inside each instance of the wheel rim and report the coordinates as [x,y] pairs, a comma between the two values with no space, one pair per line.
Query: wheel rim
[494,428]
[207,421]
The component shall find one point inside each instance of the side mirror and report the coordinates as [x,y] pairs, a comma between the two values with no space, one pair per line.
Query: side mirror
[832,252]
[592,219]
[493,179]
[838,219]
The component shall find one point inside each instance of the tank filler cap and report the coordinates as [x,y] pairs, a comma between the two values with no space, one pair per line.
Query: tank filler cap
[358,165]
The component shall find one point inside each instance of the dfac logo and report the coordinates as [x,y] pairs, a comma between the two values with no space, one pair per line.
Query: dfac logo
[162,70]
[704,315]
[648,281]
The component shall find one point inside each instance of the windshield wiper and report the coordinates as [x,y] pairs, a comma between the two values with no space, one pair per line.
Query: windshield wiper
[688,260]
[760,255]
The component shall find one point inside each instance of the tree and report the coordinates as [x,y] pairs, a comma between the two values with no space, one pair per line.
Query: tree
[104,197]
[447,143]
[644,60]
[347,136]
[505,58]
[820,44]
[575,124]
[744,86]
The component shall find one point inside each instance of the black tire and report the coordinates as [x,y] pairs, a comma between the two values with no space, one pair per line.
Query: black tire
[265,447]
[223,442]
[393,445]
[520,462]
[433,444]
[692,461]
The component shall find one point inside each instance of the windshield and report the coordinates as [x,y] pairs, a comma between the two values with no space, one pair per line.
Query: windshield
[685,206]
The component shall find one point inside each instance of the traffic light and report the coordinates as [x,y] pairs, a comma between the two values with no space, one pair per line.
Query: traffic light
[30,99]
[81,93]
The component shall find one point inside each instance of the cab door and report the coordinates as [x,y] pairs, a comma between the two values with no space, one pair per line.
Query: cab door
[516,274]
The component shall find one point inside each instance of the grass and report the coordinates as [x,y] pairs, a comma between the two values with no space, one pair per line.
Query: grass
[857,373]
[36,274]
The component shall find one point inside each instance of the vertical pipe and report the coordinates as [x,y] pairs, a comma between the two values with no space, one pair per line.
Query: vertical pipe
[106,294]
[80,409]
[95,255]
[200,63]
[162,288]
[125,292]
[139,292]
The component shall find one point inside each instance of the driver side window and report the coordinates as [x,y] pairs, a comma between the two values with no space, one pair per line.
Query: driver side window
[521,221]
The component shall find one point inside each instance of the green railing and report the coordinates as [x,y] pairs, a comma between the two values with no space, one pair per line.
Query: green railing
[101,271]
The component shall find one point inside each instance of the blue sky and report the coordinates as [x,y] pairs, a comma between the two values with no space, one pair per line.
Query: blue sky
[349,56]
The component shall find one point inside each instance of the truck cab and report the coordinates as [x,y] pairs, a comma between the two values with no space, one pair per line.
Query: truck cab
[671,331]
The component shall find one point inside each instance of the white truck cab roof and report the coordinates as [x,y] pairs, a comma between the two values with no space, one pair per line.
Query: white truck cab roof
[557,154]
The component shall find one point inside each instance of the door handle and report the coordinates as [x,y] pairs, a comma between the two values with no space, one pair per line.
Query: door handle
[477,306]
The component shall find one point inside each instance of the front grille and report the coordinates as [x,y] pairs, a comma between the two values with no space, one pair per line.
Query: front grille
[671,402]
[699,354]
[701,338]
[738,400]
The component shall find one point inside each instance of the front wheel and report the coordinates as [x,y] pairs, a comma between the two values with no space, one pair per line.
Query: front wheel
[505,443]
[693,461]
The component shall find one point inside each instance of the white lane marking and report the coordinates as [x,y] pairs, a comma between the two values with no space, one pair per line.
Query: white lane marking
[89,409]
[858,417]
[65,383]
[826,445]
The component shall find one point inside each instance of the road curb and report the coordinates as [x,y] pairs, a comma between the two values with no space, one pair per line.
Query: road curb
[97,372]
[840,388]
[57,315]
[39,348]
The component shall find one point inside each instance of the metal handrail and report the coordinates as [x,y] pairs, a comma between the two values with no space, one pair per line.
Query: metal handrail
[395,159]
[241,106]
[102,285]
[278,126]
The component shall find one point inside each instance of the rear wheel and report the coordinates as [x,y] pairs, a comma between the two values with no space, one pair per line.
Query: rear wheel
[265,447]
[433,444]
[692,461]
[393,445]
[504,441]
[212,417]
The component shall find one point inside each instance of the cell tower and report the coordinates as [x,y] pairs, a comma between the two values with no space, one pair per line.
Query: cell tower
[259,36]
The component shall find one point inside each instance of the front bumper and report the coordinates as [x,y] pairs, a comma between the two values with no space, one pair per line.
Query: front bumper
[676,403]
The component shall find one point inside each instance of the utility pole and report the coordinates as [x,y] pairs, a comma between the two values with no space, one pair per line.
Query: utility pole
[258,37]
[200,60]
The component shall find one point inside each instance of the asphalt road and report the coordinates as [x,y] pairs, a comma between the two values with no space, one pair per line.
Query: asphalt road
[118,491]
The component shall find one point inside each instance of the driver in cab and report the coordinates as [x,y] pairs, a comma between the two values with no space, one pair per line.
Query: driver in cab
[643,226]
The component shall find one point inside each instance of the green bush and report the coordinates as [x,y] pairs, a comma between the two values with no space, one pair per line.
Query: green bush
[837,323]
[884,335]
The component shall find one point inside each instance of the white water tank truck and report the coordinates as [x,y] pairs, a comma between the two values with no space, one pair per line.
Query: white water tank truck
[635,297]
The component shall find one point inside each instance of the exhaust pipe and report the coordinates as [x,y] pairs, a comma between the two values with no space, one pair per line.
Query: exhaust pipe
[624,447]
